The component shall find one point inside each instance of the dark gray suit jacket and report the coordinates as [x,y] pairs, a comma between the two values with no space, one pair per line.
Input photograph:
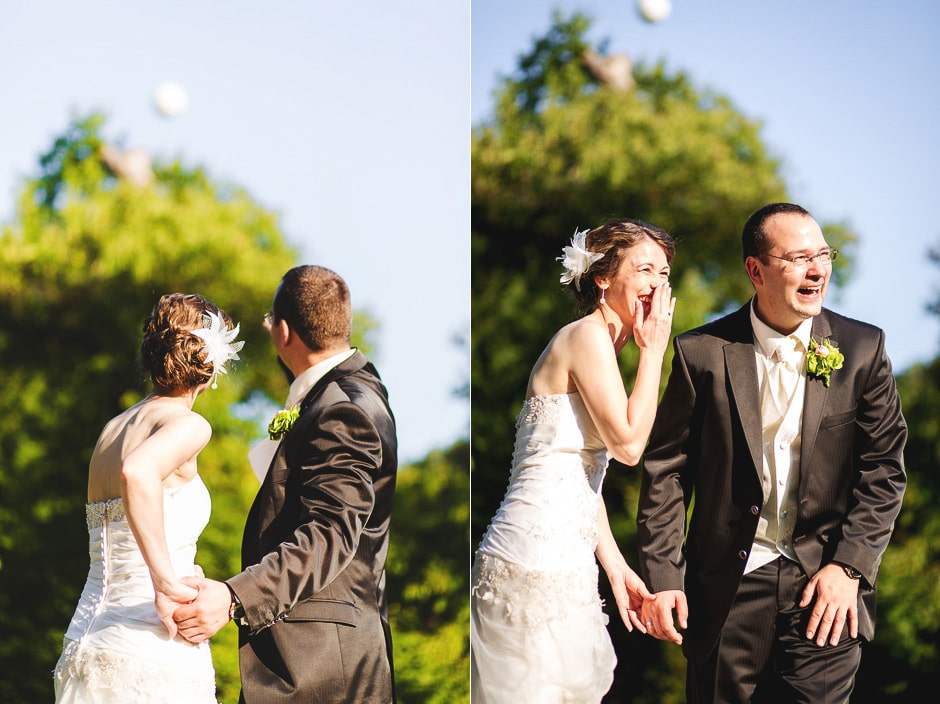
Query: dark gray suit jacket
[314,549]
[706,441]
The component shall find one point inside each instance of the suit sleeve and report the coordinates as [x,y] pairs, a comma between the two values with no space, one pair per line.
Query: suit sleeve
[661,514]
[879,464]
[334,484]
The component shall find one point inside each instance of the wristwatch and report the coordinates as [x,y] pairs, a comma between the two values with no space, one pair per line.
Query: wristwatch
[236,612]
[850,571]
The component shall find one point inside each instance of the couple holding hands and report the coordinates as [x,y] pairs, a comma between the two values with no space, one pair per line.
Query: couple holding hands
[780,427]
[310,601]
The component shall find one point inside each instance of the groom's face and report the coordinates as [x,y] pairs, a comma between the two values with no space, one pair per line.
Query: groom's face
[276,333]
[788,293]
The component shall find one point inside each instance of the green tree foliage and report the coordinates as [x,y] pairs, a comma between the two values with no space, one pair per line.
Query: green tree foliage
[427,569]
[81,265]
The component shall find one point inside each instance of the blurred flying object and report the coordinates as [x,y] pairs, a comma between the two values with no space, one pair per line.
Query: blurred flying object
[615,71]
[132,165]
[654,10]
[170,98]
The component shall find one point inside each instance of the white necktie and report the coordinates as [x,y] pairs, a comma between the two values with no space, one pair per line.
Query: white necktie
[783,375]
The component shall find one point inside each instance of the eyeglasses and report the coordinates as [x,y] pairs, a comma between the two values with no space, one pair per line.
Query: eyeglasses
[269,318]
[801,261]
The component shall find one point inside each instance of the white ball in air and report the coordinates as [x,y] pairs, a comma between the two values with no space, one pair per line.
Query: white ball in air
[170,98]
[654,10]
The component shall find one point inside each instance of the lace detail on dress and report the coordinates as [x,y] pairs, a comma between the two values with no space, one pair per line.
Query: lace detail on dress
[131,677]
[578,533]
[95,514]
[540,409]
[582,535]
[530,596]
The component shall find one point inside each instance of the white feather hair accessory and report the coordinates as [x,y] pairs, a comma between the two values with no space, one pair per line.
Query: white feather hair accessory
[220,343]
[577,259]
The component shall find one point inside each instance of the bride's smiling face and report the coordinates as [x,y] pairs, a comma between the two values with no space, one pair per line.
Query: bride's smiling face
[643,268]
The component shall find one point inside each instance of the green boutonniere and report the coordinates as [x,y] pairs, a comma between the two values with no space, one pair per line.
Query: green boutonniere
[822,358]
[282,422]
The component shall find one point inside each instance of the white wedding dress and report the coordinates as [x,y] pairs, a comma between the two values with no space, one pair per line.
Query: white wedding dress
[538,632]
[116,650]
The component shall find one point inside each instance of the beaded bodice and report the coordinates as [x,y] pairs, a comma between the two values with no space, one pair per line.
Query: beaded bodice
[101,512]
[548,516]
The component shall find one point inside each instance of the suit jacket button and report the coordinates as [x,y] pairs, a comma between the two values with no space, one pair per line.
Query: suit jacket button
[755,510]
[742,554]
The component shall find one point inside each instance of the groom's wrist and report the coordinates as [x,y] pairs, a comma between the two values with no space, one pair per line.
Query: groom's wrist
[236,611]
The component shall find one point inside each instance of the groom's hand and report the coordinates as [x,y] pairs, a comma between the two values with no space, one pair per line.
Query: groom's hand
[658,615]
[205,616]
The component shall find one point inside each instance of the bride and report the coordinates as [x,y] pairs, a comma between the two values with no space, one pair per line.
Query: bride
[538,632]
[146,508]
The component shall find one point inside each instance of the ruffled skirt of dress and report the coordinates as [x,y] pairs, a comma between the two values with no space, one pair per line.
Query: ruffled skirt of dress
[86,674]
[537,637]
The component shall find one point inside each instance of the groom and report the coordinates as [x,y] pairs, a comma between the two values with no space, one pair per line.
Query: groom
[310,602]
[782,427]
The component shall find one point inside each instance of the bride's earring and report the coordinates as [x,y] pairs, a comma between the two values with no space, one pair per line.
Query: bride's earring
[603,299]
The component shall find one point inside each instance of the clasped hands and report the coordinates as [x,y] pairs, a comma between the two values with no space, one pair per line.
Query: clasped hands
[197,611]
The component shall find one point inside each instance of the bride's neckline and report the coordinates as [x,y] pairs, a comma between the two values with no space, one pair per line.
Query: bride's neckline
[570,393]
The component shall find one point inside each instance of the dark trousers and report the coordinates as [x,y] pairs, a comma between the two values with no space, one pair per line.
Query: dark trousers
[763,654]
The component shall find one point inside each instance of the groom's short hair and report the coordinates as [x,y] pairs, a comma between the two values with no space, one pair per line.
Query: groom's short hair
[754,237]
[315,303]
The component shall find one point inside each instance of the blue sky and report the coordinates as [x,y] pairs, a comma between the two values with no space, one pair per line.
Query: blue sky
[848,92]
[350,120]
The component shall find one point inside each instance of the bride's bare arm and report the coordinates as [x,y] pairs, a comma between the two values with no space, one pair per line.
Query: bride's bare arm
[629,590]
[624,423]
[143,471]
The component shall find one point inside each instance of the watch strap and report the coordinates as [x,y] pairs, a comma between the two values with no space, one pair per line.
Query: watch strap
[236,612]
[850,571]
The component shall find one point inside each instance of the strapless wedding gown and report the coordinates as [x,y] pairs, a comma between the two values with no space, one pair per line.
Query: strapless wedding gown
[538,632]
[116,650]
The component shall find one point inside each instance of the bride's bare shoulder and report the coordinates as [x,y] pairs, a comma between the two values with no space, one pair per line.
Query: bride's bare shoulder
[586,330]
[552,372]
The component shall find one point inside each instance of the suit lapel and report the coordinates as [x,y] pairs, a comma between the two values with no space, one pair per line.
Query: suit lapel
[815,397]
[741,371]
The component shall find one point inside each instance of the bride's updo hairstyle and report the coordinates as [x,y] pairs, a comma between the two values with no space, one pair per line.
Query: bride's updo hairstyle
[174,357]
[612,239]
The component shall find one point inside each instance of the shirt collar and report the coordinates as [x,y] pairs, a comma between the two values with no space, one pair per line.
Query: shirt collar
[301,386]
[768,339]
